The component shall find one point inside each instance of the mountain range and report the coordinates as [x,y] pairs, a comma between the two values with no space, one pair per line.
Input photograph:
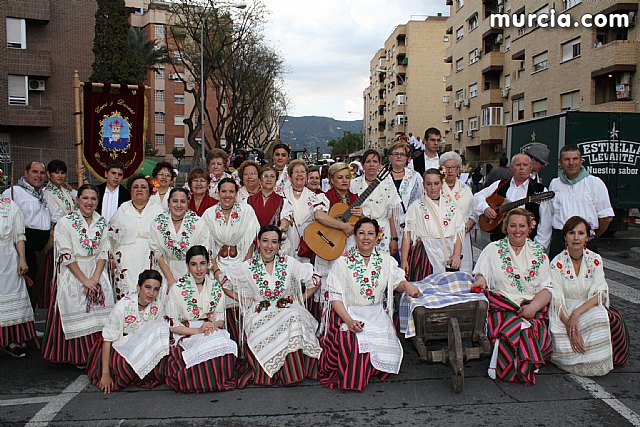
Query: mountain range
[313,132]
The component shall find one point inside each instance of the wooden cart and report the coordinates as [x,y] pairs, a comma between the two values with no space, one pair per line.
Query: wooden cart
[456,324]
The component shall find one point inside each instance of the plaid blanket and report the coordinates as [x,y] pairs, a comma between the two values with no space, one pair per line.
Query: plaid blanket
[438,290]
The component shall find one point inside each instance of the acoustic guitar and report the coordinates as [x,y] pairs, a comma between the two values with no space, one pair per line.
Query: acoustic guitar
[497,203]
[328,242]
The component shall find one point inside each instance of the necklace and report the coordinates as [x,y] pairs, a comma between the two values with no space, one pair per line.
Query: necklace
[162,194]
[577,259]
[85,216]
[516,246]
[200,284]
[297,191]
[137,208]
[142,307]
[226,209]
[268,261]
[364,256]
[177,220]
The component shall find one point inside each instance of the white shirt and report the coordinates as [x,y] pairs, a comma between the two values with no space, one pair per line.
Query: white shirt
[589,199]
[36,216]
[110,203]
[515,192]
[429,162]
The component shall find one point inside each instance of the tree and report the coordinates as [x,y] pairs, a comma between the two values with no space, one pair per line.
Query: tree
[346,144]
[114,61]
[178,154]
[151,52]
[241,72]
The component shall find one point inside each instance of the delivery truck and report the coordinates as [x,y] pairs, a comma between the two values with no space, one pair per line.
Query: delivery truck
[610,147]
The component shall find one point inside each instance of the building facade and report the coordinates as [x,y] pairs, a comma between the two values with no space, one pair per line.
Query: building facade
[406,83]
[502,74]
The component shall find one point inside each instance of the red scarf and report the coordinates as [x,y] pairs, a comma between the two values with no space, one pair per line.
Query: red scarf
[269,211]
[334,197]
[207,202]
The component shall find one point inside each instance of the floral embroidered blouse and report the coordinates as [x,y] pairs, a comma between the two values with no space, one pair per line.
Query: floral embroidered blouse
[357,284]
[75,239]
[60,201]
[184,303]
[172,245]
[517,277]
[126,318]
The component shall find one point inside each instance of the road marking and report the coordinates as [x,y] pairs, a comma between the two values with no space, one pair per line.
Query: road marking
[56,403]
[26,401]
[615,288]
[599,392]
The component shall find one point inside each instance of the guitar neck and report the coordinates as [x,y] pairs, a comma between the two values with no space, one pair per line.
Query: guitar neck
[508,206]
[360,200]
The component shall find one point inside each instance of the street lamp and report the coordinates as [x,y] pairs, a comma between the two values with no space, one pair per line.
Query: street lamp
[361,115]
[202,94]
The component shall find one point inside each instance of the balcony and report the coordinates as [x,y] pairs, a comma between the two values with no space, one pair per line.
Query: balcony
[492,62]
[492,96]
[27,115]
[36,10]
[616,52]
[28,62]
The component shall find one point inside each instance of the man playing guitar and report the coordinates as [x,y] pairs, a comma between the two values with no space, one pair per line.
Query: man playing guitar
[519,186]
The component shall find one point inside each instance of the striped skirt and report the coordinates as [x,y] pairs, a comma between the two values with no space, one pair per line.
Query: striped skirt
[213,375]
[297,367]
[419,265]
[233,324]
[619,337]
[17,334]
[342,366]
[57,349]
[122,374]
[315,307]
[520,351]
[46,294]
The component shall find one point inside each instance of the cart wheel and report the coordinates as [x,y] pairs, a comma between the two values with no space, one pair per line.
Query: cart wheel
[456,356]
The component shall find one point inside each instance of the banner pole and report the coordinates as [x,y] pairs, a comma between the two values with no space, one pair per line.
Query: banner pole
[78,121]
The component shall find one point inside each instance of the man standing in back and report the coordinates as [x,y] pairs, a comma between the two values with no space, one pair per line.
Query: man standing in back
[111,193]
[429,159]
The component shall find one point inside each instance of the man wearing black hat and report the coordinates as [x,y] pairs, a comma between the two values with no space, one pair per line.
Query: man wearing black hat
[539,154]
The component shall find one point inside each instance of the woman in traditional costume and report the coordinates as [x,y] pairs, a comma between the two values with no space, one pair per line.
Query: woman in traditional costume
[579,317]
[216,163]
[202,356]
[280,159]
[360,340]
[280,333]
[200,199]
[515,273]
[82,288]
[460,194]
[134,341]
[407,181]
[163,175]
[305,204]
[433,232]
[313,181]
[16,314]
[172,233]
[270,207]
[233,227]
[383,204]
[129,234]
[249,175]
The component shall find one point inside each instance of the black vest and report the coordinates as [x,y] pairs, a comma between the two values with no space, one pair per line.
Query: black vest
[418,163]
[534,208]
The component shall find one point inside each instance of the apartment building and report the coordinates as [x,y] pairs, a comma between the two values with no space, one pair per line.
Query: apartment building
[406,82]
[505,74]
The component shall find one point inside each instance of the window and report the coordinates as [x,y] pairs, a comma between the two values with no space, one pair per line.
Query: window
[507,81]
[472,22]
[517,110]
[178,120]
[540,62]
[18,93]
[460,94]
[445,99]
[571,49]
[570,101]
[178,142]
[568,4]
[507,43]
[492,116]
[459,64]
[178,99]
[459,126]
[507,6]
[459,4]
[159,73]
[473,123]
[544,10]
[16,33]
[474,55]
[159,95]
[159,30]
[177,57]
[446,39]
[460,33]
[159,117]
[473,90]
[539,108]
[159,139]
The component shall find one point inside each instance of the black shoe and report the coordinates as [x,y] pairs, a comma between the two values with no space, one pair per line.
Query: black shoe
[15,350]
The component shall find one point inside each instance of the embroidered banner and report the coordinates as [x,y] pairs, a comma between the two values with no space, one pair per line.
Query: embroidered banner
[114,128]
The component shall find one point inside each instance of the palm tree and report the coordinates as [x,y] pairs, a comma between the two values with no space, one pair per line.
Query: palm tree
[151,51]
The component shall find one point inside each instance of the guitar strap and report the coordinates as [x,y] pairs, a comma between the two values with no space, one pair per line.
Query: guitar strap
[501,186]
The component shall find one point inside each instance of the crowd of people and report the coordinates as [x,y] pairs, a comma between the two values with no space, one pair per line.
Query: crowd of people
[212,286]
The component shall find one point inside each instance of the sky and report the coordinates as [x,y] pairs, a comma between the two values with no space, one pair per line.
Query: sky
[327,46]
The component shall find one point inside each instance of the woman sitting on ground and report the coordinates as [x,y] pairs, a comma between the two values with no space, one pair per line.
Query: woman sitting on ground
[579,318]
[515,273]
[134,342]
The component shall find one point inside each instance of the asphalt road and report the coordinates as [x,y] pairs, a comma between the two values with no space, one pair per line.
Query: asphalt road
[37,393]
